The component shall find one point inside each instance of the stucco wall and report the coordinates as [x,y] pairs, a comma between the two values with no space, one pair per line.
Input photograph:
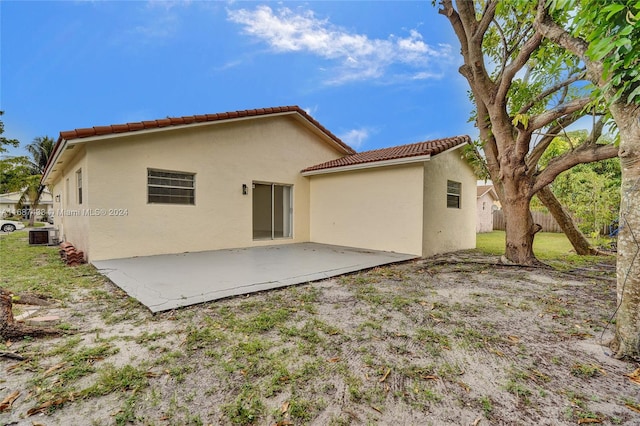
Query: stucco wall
[378,208]
[484,205]
[70,217]
[448,229]
[223,156]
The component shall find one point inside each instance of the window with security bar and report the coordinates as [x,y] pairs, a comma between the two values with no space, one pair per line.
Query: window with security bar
[171,187]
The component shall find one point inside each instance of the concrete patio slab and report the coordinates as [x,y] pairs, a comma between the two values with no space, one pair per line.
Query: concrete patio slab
[165,282]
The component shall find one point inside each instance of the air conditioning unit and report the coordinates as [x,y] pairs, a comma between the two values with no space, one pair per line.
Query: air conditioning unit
[43,236]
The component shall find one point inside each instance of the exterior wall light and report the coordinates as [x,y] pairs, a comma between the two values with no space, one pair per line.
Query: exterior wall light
[245,191]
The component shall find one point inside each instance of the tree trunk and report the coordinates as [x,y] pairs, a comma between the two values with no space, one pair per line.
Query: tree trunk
[519,230]
[561,215]
[626,342]
[10,329]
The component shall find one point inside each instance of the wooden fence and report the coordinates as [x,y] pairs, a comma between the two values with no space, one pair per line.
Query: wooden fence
[547,221]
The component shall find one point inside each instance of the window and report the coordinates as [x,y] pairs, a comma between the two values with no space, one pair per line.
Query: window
[67,192]
[79,182]
[167,187]
[453,194]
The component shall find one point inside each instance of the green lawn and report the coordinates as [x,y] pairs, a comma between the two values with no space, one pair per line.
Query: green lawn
[546,246]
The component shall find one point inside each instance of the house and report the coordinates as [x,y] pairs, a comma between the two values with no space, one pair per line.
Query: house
[11,206]
[254,178]
[487,201]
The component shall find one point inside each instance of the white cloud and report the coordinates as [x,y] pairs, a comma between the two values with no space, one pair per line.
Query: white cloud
[358,57]
[355,138]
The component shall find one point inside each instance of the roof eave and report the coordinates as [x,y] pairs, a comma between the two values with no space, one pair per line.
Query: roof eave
[370,165]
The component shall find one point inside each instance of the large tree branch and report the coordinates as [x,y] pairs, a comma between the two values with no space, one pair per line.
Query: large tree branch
[517,64]
[465,25]
[467,11]
[554,32]
[551,90]
[454,18]
[485,21]
[585,153]
[551,115]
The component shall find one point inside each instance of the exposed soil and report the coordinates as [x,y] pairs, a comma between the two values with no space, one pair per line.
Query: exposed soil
[450,340]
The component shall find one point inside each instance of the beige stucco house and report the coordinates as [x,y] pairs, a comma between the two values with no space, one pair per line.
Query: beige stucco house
[251,178]
[487,202]
[12,204]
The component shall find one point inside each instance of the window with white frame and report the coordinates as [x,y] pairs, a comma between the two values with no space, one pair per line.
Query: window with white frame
[171,187]
[454,190]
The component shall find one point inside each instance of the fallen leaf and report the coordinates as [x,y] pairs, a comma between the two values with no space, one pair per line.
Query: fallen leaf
[588,420]
[377,409]
[285,407]
[54,368]
[385,375]
[8,401]
[633,407]
[477,421]
[44,407]
[464,386]
[334,359]
[514,339]
[430,377]
[8,343]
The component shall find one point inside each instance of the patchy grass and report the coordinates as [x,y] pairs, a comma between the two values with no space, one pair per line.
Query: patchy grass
[550,247]
[447,339]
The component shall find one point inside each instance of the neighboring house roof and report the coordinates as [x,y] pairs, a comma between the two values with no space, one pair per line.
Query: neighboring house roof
[415,152]
[14,197]
[117,129]
[483,189]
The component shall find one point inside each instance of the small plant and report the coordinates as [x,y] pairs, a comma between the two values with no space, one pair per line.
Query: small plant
[584,370]
[487,405]
[246,409]
[434,341]
[518,389]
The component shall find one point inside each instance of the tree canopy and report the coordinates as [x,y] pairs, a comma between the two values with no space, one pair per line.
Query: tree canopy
[526,90]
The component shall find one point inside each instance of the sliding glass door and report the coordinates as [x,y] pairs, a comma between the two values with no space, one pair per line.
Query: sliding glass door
[272,211]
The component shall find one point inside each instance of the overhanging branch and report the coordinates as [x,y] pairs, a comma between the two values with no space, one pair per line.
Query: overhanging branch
[585,153]
[549,116]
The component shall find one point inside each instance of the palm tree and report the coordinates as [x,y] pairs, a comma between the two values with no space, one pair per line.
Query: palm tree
[40,150]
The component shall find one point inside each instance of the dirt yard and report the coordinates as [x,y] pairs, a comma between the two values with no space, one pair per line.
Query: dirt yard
[451,340]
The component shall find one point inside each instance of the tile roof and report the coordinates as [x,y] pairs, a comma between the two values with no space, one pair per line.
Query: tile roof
[191,119]
[186,120]
[419,149]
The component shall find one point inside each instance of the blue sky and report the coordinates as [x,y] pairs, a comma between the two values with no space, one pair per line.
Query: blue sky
[375,73]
